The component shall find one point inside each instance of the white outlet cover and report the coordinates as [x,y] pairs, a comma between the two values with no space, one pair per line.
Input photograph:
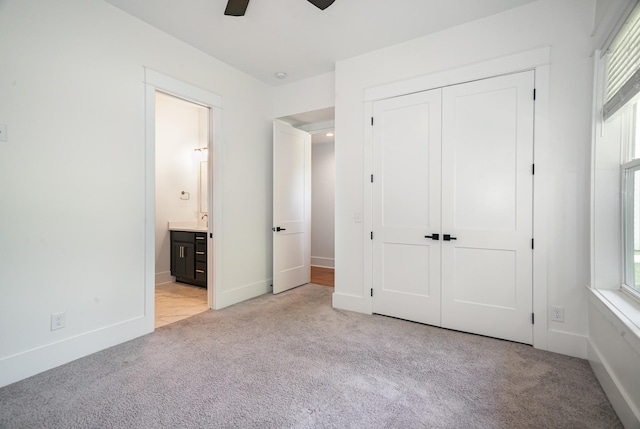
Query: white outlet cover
[58,321]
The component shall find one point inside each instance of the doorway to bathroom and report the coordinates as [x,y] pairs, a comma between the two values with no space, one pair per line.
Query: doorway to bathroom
[183,134]
[182,142]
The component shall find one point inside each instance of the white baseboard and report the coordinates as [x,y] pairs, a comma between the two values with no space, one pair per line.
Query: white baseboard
[243,293]
[31,362]
[352,303]
[613,389]
[567,343]
[164,277]
[319,261]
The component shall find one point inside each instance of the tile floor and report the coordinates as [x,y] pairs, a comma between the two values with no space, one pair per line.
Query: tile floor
[177,301]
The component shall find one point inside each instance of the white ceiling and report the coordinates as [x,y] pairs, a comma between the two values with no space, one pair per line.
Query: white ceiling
[295,37]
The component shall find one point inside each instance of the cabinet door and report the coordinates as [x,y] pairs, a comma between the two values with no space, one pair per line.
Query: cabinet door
[183,260]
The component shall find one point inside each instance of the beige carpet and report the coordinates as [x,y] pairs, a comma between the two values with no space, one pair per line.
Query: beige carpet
[292,361]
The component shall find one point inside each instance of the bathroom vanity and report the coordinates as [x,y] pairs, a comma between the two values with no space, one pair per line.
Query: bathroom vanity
[189,256]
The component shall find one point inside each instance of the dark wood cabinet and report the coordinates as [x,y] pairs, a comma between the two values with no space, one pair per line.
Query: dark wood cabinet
[189,257]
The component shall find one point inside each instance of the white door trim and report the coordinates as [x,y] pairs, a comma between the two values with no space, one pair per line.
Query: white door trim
[536,59]
[522,61]
[155,81]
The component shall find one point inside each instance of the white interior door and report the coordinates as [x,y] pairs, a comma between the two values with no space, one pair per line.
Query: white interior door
[291,207]
[487,198]
[406,207]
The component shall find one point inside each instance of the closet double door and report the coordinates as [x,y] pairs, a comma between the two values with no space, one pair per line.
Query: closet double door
[452,207]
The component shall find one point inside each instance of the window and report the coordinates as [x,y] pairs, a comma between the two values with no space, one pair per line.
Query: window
[630,172]
[623,65]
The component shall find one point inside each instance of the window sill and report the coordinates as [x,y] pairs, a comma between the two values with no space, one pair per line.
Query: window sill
[626,312]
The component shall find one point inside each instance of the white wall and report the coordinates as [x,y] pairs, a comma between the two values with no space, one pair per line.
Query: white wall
[307,95]
[73,211]
[323,184]
[565,25]
[181,127]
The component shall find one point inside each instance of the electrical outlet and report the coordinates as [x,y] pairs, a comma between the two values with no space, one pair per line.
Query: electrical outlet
[58,321]
[557,313]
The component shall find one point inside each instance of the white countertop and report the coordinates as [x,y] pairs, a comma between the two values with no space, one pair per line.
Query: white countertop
[187,226]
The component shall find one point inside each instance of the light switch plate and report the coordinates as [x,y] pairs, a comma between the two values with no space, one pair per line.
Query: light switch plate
[3,132]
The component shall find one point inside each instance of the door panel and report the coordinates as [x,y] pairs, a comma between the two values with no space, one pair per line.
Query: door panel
[486,277]
[291,207]
[487,190]
[485,158]
[406,201]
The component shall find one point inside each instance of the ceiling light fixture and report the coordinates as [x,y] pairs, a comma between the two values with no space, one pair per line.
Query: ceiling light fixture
[281,75]
[329,134]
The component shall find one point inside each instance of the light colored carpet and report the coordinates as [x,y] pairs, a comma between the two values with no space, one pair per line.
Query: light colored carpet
[292,361]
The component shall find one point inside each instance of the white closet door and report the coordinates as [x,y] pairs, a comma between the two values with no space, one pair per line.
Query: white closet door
[487,185]
[406,207]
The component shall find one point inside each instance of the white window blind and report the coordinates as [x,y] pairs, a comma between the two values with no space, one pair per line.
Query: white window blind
[623,65]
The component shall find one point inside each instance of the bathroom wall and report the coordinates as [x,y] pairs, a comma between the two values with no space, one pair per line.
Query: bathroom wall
[181,127]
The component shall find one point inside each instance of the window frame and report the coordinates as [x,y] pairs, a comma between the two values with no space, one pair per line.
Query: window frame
[629,165]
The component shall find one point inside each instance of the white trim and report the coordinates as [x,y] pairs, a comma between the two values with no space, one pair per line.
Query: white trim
[30,362]
[622,312]
[322,262]
[597,123]
[243,293]
[616,394]
[318,128]
[367,214]
[155,81]
[537,59]
[504,65]
[608,313]
[181,89]
[567,343]
[164,277]
[542,186]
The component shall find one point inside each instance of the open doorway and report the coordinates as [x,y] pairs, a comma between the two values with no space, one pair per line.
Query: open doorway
[181,221]
[320,124]
[156,82]
[323,174]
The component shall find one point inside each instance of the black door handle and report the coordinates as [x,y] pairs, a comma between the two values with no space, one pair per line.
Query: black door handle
[447,237]
[433,236]
[278,229]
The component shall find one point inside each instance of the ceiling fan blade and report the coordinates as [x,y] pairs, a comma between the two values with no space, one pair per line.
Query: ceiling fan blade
[236,7]
[322,4]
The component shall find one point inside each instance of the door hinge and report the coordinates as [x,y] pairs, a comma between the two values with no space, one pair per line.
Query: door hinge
[532,243]
[372,121]
[533,319]
[371,291]
[534,93]
[372,235]
[372,178]
[533,169]
[211,235]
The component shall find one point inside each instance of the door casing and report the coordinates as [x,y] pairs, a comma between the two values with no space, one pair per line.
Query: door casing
[155,81]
